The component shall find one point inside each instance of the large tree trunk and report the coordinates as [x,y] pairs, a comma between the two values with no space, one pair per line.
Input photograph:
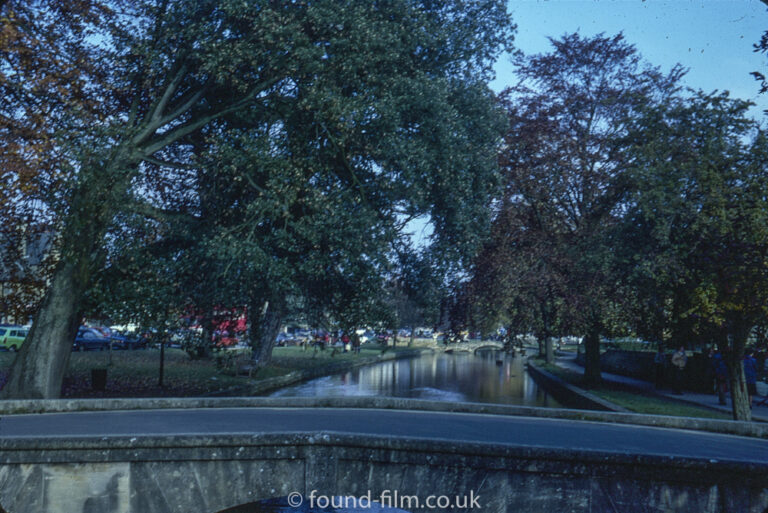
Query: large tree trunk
[39,368]
[736,379]
[264,330]
[550,349]
[739,396]
[592,355]
[40,365]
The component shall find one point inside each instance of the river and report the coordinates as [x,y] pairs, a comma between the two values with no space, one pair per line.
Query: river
[486,377]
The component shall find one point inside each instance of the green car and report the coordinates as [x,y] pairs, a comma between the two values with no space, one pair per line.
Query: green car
[12,338]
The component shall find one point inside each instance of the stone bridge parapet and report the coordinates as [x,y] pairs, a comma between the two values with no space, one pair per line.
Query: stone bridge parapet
[213,473]
[188,472]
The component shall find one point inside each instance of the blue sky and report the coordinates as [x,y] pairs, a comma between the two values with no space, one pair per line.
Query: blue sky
[712,38]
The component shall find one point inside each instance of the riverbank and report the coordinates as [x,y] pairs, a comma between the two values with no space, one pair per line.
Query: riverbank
[708,401]
[314,367]
[311,368]
[135,374]
[622,396]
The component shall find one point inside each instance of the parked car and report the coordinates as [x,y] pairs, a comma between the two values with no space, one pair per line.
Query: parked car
[176,338]
[228,342]
[127,342]
[287,339]
[366,336]
[225,339]
[90,339]
[148,337]
[11,337]
[284,339]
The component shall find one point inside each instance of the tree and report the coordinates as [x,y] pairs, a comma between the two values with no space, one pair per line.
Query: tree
[362,144]
[163,81]
[697,224]
[515,279]
[565,165]
[422,285]
[361,77]
[43,76]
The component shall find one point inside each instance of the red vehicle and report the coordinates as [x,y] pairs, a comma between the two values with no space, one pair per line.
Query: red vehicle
[229,325]
[225,339]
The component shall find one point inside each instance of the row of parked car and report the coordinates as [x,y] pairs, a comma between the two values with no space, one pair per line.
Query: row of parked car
[87,339]
[102,338]
[329,338]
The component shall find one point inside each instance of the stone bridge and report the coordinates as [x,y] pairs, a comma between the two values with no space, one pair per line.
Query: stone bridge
[243,452]
[469,346]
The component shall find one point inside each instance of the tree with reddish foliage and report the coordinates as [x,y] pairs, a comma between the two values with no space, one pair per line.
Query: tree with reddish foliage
[47,71]
[517,277]
[565,164]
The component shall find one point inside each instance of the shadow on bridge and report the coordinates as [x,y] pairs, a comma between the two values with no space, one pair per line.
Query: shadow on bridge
[290,504]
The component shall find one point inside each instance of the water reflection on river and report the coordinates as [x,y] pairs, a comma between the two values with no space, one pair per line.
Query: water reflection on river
[489,377]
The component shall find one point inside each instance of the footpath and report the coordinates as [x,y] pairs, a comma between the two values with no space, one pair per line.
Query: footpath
[759,413]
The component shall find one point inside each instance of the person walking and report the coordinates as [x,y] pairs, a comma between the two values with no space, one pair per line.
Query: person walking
[355,342]
[679,360]
[346,342]
[760,354]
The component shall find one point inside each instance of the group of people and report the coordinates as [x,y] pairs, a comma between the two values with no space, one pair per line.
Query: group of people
[719,370]
[348,343]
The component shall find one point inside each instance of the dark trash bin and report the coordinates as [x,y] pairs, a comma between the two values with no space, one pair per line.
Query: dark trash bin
[98,379]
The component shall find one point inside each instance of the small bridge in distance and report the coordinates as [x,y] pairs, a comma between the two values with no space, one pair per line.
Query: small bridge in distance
[469,346]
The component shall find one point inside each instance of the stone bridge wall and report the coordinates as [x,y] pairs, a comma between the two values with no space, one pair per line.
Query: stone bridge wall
[209,474]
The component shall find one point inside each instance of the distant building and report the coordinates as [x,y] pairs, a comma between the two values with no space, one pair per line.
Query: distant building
[21,278]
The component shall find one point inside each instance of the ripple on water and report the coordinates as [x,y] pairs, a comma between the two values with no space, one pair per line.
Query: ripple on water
[326,386]
[436,394]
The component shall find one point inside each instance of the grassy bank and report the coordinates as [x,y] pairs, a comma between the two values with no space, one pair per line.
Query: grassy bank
[634,400]
[136,373]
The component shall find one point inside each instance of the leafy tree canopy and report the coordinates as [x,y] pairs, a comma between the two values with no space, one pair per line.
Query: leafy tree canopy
[287,137]
[565,165]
